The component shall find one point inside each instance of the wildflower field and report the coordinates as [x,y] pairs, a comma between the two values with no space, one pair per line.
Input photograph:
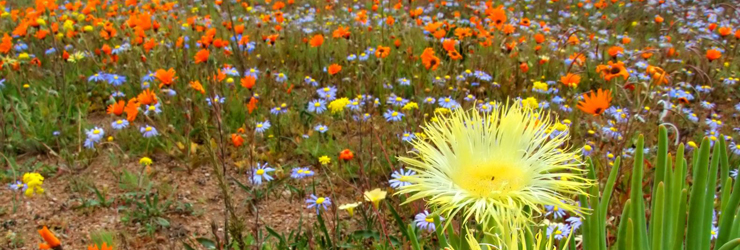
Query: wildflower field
[369,124]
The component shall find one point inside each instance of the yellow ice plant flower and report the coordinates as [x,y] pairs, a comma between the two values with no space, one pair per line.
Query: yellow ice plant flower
[338,105]
[146,161]
[375,196]
[350,207]
[324,160]
[410,106]
[491,166]
[33,183]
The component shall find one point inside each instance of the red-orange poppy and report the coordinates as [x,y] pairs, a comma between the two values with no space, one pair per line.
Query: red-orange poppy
[317,40]
[382,51]
[116,108]
[197,86]
[165,77]
[237,140]
[50,240]
[595,103]
[713,54]
[334,69]
[147,97]
[346,155]
[570,80]
[248,81]
[202,56]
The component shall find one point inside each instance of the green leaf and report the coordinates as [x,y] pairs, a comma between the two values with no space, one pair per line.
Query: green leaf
[731,244]
[207,243]
[656,229]
[622,231]
[399,221]
[638,207]
[697,197]
[277,235]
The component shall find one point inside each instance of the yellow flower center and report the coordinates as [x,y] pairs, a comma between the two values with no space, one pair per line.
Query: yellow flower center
[148,129]
[429,219]
[260,171]
[491,179]
[300,171]
[259,125]
[317,104]
[320,200]
[558,232]
[96,131]
[394,114]
[152,108]
[119,121]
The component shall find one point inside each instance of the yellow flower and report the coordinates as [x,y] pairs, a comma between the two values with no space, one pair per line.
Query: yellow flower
[33,183]
[540,85]
[493,170]
[146,161]
[410,106]
[23,56]
[375,196]
[350,207]
[530,103]
[324,160]
[441,111]
[88,28]
[338,105]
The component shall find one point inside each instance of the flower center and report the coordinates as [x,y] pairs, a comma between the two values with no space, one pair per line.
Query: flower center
[320,200]
[96,131]
[429,219]
[148,129]
[558,232]
[489,180]
[260,171]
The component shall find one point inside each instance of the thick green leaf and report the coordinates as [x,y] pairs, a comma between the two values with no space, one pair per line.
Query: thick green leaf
[656,229]
[697,198]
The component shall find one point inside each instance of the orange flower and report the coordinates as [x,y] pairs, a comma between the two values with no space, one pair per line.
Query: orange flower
[454,55]
[595,103]
[237,140]
[147,97]
[252,104]
[429,60]
[317,40]
[248,81]
[570,80]
[116,108]
[524,67]
[197,86]
[659,19]
[724,31]
[334,69]
[104,247]
[612,70]
[497,16]
[382,52]
[658,74]
[132,109]
[165,77]
[573,40]
[341,32]
[615,50]
[449,44]
[539,38]
[713,54]
[202,56]
[346,155]
[49,238]
[7,44]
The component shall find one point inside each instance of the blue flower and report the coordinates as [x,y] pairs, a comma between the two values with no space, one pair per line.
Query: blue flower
[425,221]
[391,115]
[281,77]
[447,102]
[555,211]
[401,178]
[558,231]
[262,126]
[318,202]
[97,77]
[153,109]
[407,136]
[321,128]
[575,222]
[215,99]
[148,131]
[300,173]
[261,174]
[317,106]
[115,80]
[327,93]
[119,124]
